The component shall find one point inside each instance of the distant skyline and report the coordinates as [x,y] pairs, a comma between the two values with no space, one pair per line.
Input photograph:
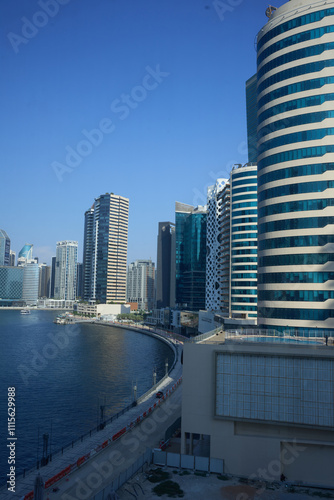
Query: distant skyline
[146,101]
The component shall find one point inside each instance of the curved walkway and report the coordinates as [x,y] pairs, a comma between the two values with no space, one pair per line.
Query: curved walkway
[122,441]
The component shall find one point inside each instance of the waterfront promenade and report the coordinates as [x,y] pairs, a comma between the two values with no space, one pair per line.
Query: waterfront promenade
[103,456]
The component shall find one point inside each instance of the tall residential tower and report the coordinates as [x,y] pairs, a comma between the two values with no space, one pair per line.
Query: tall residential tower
[105,249]
[295,60]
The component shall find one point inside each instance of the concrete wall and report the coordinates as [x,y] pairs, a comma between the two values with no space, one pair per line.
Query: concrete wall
[252,448]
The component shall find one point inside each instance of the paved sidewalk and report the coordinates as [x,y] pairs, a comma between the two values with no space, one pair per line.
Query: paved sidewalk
[166,412]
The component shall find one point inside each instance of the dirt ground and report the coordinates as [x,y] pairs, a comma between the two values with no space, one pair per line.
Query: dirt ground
[198,486]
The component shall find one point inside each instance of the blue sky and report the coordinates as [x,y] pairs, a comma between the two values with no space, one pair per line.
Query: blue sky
[149,94]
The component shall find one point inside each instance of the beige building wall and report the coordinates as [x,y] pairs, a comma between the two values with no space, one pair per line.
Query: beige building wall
[251,448]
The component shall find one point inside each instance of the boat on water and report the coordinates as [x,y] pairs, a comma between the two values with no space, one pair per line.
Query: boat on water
[25,311]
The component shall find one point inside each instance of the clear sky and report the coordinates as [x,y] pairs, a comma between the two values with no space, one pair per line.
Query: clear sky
[142,98]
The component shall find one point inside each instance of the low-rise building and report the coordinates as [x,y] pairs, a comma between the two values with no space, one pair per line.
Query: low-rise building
[98,310]
[266,408]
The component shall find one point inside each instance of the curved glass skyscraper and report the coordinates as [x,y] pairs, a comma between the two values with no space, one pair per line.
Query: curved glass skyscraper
[296,168]
[244,241]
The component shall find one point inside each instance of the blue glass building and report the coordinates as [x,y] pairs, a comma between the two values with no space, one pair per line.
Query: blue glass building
[4,248]
[244,240]
[190,259]
[296,168]
[11,284]
[251,109]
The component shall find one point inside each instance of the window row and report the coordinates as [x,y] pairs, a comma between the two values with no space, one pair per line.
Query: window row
[297,259]
[303,69]
[293,121]
[244,228]
[295,154]
[296,295]
[287,224]
[243,284]
[298,171]
[245,251]
[301,314]
[296,241]
[291,189]
[243,182]
[296,206]
[314,17]
[248,267]
[295,55]
[240,276]
[240,197]
[293,88]
[295,277]
[235,260]
[235,175]
[244,299]
[235,220]
[304,102]
[252,243]
[244,308]
[244,205]
[304,36]
[243,189]
[244,236]
[295,137]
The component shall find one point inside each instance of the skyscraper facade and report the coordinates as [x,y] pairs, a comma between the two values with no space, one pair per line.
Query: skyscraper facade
[25,255]
[66,270]
[52,277]
[218,247]
[296,168]
[44,281]
[251,109]
[11,284]
[30,282]
[12,256]
[140,284]
[165,279]
[190,256]
[87,254]
[244,241]
[105,249]
[4,248]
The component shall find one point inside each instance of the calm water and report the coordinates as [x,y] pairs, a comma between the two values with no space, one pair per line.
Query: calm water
[62,374]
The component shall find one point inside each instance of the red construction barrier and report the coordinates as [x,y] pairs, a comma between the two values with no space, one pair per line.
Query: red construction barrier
[144,414]
[105,443]
[150,409]
[50,482]
[80,461]
[29,496]
[119,433]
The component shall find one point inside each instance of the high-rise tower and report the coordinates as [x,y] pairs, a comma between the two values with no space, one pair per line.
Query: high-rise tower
[190,260]
[4,248]
[140,284]
[218,247]
[165,281]
[295,57]
[66,270]
[105,249]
